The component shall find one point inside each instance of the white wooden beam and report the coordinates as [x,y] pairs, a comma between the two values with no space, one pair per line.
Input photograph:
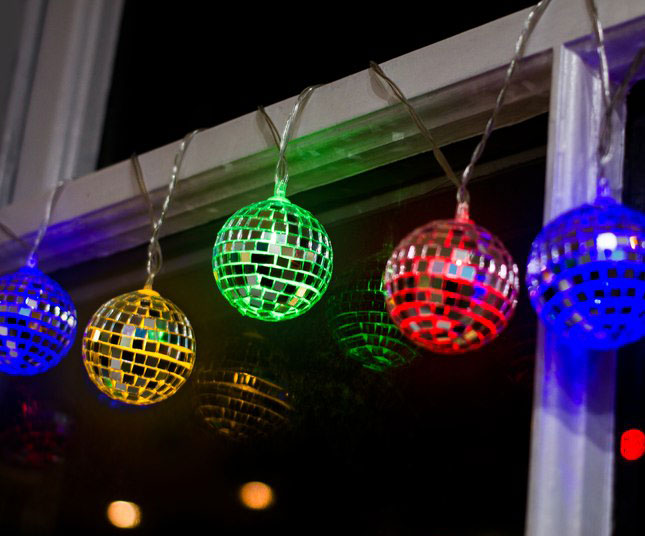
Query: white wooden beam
[349,126]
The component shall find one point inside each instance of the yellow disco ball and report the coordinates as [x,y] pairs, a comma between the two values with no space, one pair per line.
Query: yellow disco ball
[139,348]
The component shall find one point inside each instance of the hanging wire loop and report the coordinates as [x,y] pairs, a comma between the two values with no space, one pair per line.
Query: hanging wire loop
[155,258]
[463,197]
[436,150]
[611,100]
[138,173]
[32,259]
[282,169]
[271,125]
[520,47]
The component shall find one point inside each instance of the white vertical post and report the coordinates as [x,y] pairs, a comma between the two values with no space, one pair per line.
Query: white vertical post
[572,450]
[70,87]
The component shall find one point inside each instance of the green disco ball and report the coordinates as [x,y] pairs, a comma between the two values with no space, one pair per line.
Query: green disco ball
[272,260]
[360,323]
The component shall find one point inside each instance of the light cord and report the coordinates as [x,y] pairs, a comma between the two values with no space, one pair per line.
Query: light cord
[138,173]
[32,259]
[463,197]
[436,150]
[155,258]
[605,149]
[600,49]
[520,47]
[282,169]
[272,128]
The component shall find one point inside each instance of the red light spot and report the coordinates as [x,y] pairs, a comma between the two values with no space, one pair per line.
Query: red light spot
[632,444]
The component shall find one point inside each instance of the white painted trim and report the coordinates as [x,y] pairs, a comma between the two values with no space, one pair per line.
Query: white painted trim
[572,440]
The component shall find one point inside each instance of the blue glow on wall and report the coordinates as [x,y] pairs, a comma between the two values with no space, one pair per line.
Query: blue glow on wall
[586,276]
[37,322]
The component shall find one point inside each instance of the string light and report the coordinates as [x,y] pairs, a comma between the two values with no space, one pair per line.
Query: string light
[139,347]
[451,285]
[272,260]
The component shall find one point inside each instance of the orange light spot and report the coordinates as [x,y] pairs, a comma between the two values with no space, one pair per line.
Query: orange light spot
[256,495]
[124,514]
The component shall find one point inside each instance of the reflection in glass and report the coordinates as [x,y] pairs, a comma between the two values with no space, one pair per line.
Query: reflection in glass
[241,398]
[360,323]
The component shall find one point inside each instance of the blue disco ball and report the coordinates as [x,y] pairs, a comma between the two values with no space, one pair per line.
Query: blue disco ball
[37,322]
[586,276]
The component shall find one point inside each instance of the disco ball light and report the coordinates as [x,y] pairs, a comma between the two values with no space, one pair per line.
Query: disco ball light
[586,277]
[139,348]
[272,260]
[451,286]
[37,322]
[360,323]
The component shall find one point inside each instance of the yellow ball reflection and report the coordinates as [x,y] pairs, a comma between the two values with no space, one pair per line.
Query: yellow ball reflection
[124,514]
[256,495]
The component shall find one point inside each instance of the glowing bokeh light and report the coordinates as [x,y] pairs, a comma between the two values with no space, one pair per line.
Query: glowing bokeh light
[124,514]
[632,444]
[256,495]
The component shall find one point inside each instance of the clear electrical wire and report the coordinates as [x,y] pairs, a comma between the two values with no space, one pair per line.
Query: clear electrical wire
[611,99]
[282,168]
[32,259]
[155,257]
[463,198]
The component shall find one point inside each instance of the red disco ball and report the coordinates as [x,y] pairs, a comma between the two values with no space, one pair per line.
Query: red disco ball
[451,286]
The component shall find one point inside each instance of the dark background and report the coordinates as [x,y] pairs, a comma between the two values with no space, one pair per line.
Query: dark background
[437,448]
[630,389]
